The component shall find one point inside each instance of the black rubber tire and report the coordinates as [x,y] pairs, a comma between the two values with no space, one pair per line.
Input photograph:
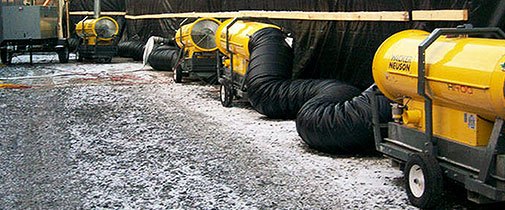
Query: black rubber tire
[63,55]
[5,57]
[226,94]
[79,57]
[178,74]
[425,193]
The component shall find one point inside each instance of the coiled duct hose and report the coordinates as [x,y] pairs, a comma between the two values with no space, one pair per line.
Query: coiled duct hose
[328,124]
[131,49]
[163,57]
[158,40]
[331,115]
[153,42]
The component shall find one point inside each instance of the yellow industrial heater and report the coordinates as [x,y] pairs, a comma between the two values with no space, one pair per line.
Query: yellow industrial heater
[98,39]
[198,52]
[232,39]
[449,103]
[99,31]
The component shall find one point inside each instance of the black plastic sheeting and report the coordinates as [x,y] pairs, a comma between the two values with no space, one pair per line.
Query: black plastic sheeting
[131,49]
[107,5]
[163,57]
[340,50]
[331,116]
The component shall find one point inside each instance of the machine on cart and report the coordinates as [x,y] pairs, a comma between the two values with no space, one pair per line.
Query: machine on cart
[198,52]
[27,28]
[98,37]
[232,39]
[449,104]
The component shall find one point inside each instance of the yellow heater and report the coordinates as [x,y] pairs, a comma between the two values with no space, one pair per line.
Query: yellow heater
[465,78]
[97,31]
[198,36]
[239,34]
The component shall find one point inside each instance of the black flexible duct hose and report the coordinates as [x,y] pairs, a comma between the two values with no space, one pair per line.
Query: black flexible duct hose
[131,49]
[162,41]
[269,86]
[328,124]
[73,43]
[331,116]
[163,57]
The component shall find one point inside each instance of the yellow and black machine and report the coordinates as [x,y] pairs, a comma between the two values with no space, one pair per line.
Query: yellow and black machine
[198,51]
[232,39]
[449,103]
[98,37]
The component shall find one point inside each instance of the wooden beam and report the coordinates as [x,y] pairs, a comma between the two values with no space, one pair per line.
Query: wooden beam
[88,13]
[185,15]
[440,15]
[403,16]
[290,15]
[338,16]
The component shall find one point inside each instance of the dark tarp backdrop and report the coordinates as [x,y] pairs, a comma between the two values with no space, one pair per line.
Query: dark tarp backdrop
[323,49]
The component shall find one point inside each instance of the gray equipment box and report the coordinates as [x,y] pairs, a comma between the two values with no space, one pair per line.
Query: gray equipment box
[28,22]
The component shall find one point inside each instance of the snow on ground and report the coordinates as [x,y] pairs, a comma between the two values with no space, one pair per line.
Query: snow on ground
[123,136]
[358,181]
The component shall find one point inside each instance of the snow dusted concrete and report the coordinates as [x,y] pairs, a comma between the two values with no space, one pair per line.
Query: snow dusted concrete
[117,136]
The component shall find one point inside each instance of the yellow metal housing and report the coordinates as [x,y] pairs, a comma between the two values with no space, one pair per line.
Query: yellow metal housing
[198,36]
[238,38]
[96,30]
[465,78]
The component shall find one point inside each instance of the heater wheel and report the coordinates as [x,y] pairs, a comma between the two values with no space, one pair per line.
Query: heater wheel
[79,57]
[424,183]
[5,57]
[226,94]
[63,55]
[177,74]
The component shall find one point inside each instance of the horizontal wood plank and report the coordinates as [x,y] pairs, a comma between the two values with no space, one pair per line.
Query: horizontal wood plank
[88,13]
[417,15]
[338,16]
[440,15]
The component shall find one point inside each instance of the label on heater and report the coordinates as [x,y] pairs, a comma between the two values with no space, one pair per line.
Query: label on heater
[400,63]
[470,120]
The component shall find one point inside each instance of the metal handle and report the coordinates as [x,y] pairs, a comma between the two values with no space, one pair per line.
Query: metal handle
[228,45]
